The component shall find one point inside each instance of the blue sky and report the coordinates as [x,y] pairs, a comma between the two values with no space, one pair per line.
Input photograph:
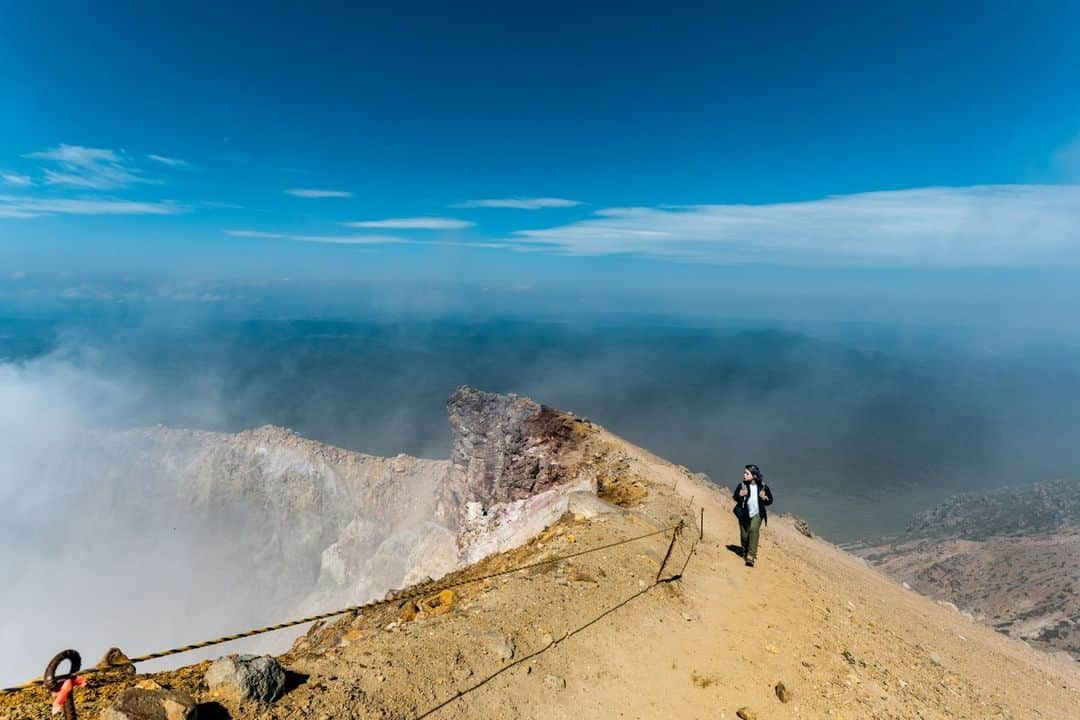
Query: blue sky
[616,142]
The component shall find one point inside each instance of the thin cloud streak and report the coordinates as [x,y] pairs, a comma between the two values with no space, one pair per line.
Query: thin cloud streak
[536,203]
[15,179]
[312,193]
[993,225]
[88,168]
[14,206]
[415,223]
[170,161]
[369,240]
[330,239]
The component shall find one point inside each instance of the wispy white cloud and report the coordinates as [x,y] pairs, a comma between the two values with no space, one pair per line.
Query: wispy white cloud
[414,223]
[310,193]
[535,203]
[331,239]
[1001,225]
[169,161]
[88,168]
[15,206]
[371,240]
[15,179]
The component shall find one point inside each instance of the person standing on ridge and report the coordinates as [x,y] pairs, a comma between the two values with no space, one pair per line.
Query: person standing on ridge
[752,496]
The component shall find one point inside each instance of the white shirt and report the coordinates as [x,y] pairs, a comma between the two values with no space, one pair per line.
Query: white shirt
[752,500]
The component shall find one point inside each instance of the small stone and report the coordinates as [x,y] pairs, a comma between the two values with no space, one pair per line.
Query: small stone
[499,645]
[554,682]
[782,693]
[245,678]
[582,577]
[145,704]
[802,527]
[935,658]
[686,617]
[772,649]
[746,713]
[116,661]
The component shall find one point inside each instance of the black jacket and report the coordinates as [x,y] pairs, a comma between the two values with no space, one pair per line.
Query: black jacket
[741,510]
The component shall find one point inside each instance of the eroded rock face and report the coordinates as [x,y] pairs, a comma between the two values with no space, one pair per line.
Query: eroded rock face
[513,465]
[505,448]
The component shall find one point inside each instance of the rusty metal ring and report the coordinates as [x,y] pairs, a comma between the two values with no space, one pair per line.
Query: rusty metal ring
[54,681]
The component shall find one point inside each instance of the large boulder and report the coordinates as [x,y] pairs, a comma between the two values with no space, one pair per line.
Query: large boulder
[246,678]
[146,704]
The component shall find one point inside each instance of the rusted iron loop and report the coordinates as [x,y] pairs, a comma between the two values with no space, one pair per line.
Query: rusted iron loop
[53,681]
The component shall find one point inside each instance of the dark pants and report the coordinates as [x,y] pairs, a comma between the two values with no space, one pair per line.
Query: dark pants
[749,532]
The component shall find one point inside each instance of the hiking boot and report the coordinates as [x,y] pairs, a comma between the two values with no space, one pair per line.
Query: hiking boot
[749,562]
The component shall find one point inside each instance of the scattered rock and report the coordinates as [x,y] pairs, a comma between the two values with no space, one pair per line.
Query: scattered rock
[702,681]
[115,661]
[439,604]
[801,526]
[935,658]
[746,713]
[499,645]
[144,704]
[948,605]
[554,682]
[246,678]
[782,693]
[579,576]
[772,649]
[905,585]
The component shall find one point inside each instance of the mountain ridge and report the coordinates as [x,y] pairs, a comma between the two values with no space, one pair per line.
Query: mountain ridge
[595,635]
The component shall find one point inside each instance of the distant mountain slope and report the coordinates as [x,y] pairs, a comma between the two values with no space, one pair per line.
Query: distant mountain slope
[1010,557]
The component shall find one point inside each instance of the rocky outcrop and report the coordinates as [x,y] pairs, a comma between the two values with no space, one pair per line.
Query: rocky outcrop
[505,448]
[513,465]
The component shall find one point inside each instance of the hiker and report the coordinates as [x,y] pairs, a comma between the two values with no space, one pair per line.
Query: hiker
[752,496]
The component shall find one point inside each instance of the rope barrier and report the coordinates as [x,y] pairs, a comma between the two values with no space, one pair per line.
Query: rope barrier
[420,592]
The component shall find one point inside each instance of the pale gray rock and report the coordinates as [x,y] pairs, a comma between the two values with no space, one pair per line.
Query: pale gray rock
[246,678]
[554,682]
[499,645]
